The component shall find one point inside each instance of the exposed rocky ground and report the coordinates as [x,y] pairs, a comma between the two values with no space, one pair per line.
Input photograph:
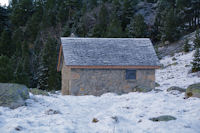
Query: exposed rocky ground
[175,47]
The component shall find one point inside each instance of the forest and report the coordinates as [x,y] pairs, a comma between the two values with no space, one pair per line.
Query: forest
[30,31]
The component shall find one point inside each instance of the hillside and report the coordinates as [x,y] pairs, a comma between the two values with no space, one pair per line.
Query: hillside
[30,31]
[114,113]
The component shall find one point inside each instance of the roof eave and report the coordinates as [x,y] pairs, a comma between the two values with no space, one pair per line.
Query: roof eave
[113,67]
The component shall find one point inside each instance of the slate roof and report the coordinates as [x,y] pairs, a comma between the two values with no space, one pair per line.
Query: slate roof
[108,52]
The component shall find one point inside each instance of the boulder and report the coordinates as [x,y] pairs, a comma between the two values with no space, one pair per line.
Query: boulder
[163,118]
[176,88]
[13,95]
[193,90]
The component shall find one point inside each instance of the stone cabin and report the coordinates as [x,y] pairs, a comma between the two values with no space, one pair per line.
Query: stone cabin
[93,66]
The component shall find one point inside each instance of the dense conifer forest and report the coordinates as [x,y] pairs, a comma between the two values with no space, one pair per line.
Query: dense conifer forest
[30,30]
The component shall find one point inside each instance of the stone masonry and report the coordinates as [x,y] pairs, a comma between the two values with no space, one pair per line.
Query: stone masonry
[99,81]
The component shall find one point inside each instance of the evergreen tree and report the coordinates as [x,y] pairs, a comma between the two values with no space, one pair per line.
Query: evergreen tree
[49,78]
[127,12]
[137,27]
[197,39]
[21,11]
[170,26]
[196,61]
[114,29]
[4,20]
[99,29]
[6,47]
[186,46]
[66,31]
[6,70]
[22,74]
[33,24]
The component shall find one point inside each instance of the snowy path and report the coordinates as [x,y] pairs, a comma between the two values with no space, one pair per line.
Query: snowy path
[128,113]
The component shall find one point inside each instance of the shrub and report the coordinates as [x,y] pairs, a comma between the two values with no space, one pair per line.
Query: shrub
[196,61]
[186,47]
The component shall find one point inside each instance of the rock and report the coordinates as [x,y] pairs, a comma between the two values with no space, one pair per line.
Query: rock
[175,88]
[115,118]
[18,128]
[36,91]
[163,118]
[157,84]
[13,95]
[166,42]
[174,59]
[52,112]
[173,64]
[95,120]
[147,11]
[187,65]
[141,89]
[193,90]
[157,90]
[140,121]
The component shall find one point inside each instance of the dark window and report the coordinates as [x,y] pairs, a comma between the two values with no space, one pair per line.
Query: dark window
[130,74]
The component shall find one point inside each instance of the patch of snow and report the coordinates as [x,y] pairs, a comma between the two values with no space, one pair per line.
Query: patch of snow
[176,74]
[126,113]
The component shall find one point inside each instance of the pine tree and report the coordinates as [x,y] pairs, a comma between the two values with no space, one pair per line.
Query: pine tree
[127,12]
[66,31]
[6,70]
[196,61]
[170,26]
[6,47]
[186,46]
[49,78]
[197,39]
[114,28]
[33,24]
[22,10]
[137,27]
[99,29]
[4,20]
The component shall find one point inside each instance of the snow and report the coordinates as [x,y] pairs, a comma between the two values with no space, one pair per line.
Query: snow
[177,75]
[126,113]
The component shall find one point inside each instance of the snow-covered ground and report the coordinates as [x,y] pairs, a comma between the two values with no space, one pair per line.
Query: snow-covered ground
[128,113]
[176,71]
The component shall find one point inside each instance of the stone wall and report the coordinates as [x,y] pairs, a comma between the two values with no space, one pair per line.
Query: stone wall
[66,72]
[99,81]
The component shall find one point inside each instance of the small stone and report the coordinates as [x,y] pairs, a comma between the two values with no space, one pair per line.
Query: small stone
[18,128]
[174,59]
[175,88]
[140,121]
[158,90]
[115,118]
[157,84]
[162,118]
[51,112]
[95,120]
[187,65]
